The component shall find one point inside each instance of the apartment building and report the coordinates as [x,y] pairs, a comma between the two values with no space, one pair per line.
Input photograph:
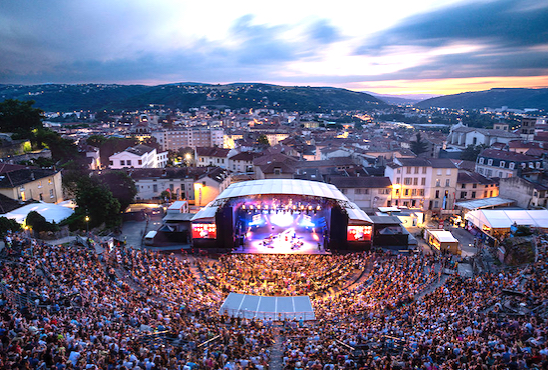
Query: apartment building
[504,164]
[365,191]
[427,184]
[192,137]
[140,156]
[242,162]
[212,156]
[196,184]
[472,185]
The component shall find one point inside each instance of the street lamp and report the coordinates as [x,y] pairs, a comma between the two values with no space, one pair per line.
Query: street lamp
[87,224]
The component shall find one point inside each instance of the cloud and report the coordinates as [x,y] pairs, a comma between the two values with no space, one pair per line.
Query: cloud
[505,38]
[503,23]
[323,32]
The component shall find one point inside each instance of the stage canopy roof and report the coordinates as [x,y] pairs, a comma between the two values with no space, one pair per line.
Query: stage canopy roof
[206,214]
[285,186]
[51,212]
[250,306]
[503,219]
[282,186]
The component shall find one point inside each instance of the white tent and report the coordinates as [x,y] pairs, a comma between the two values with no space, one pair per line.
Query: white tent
[443,236]
[51,212]
[503,219]
[249,306]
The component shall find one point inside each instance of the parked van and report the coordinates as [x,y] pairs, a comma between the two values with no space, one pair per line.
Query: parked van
[149,238]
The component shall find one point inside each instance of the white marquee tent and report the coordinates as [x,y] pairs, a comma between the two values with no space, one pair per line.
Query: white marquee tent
[503,219]
[250,306]
[51,212]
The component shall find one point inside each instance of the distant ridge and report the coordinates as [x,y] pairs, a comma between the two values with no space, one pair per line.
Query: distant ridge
[513,98]
[184,95]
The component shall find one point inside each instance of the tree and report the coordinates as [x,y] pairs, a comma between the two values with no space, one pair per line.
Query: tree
[471,152]
[94,199]
[96,140]
[121,186]
[418,146]
[39,223]
[20,118]
[62,150]
[7,224]
[263,140]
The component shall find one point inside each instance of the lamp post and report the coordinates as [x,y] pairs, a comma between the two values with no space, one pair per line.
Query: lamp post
[87,224]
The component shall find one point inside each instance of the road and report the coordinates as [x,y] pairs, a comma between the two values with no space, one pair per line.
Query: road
[134,231]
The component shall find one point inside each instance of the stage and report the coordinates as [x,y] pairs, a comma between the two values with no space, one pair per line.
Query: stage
[283,233]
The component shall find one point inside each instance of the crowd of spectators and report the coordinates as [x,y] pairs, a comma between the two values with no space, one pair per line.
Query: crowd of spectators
[70,307]
[281,274]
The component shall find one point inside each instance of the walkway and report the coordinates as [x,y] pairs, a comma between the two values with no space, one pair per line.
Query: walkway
[277,350]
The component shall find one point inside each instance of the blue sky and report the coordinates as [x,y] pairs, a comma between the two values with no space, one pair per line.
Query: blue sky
[396,47]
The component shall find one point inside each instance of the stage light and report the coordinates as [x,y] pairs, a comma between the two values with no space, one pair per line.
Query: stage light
[282,220]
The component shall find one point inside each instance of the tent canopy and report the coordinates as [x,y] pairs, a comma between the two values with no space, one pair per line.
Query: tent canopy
[51,212]
[443,236]
[250,306]
[504,219]
[485,203]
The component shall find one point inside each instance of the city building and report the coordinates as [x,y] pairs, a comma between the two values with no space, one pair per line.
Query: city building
[212,156]
[527,194]
[180,183]
[192,137]
[367,192]
[25,183]
[462,136]
[503,164]
[472,185]
[527,130]
[427,184]
[140,156]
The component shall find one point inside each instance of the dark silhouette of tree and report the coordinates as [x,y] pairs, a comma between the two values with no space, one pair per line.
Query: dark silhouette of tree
[471,152]
[39,223]
[263,140]
[121,186]
[93,199]
[62,150]
[20,118]
[8,224]
[418,146]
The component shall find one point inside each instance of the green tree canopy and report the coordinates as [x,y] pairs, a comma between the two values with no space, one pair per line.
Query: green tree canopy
[96,140]
[471,152]
[94,199]
[7,224]
[263,140]
[20,117]
[121,186]
[39,223]
[418,146]
[62,150]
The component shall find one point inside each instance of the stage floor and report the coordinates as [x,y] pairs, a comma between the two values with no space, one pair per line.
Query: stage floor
[278,240]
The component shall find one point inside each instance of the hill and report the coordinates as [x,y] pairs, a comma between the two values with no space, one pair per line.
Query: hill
[94,97]
[494,98]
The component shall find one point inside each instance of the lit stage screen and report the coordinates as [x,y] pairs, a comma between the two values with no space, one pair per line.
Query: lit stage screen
[204,231]
[359,233]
